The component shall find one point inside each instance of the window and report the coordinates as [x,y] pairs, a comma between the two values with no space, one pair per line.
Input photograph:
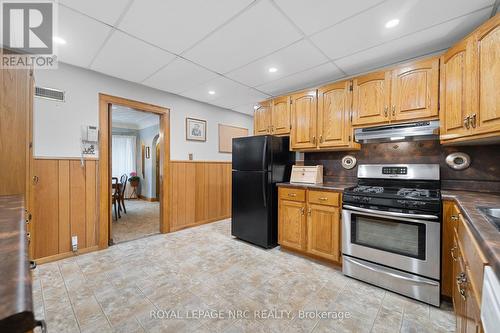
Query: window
[123,159]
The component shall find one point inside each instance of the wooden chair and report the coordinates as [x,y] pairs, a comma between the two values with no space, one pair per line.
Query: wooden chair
[121,203]
[115,196]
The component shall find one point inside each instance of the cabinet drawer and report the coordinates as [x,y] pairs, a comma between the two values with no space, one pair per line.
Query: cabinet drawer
[473,256]
[294,194]
[324,198]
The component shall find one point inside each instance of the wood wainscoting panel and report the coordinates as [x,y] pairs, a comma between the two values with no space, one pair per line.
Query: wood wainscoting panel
[200,193]
[65,205]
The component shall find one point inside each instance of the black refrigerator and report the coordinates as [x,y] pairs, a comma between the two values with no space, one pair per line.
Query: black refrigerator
[259,162]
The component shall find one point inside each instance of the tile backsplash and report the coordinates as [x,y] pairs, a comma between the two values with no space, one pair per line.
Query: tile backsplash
[482,175]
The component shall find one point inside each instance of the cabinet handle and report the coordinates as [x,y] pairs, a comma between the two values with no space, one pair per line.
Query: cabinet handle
[28,237]
[35,180]
[467,122]
[474,120]
[302,211]
[314,139]
[461,279]
[321,138]
[309,212]
[292,195]
[394,110]
[452,251]
[454,218]
[386,110]
[323,199]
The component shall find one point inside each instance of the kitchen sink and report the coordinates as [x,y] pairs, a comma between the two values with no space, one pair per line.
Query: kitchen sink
[492,214]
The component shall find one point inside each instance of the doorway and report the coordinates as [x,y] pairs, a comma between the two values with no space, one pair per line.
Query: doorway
[162,152]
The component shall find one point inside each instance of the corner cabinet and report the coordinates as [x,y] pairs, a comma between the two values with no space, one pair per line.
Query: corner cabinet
[470,87]
[309,222]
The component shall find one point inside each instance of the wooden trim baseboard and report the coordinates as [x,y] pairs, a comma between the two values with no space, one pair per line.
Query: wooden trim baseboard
[65,158]
[141,197]
[174,228]
[60,256]
[192,161]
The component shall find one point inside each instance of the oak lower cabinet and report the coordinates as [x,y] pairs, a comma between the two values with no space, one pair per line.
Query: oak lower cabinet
[463,269]
[309,222]
[470,87]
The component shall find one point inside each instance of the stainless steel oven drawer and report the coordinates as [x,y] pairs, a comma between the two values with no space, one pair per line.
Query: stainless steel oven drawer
[420,288]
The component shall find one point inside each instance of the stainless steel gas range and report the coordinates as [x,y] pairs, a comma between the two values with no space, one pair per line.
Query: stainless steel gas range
[391,231]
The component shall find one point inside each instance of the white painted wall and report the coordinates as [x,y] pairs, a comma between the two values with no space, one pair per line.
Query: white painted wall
[57,125]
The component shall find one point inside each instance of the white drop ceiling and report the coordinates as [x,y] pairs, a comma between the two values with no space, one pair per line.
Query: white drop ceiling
[189,47]
[125,117]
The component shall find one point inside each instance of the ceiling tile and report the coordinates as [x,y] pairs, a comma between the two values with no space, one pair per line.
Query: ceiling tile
[83,35]
[257,32]
[292,59]
[108,11]
[247,108]
[424,42]
[227,93]
[312,16]
[176,25]
[309,78]
[368,29]
[129,58]
[179,76]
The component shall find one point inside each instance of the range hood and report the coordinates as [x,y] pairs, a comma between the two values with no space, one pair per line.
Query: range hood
[422,130]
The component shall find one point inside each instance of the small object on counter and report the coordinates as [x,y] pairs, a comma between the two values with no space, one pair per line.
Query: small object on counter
[307,174]
[349,162]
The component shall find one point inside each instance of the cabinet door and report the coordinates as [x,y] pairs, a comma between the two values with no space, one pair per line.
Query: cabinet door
[455,90]
[334,111]
[415,90]
[473,311]
[292,224]
[281,115]
[262,119]
[371,99]
[323,232]
[486,111]
[304,114]
[458,294]
[450,222]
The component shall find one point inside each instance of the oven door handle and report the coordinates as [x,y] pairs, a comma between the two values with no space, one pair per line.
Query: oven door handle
[386,213]
[394,275]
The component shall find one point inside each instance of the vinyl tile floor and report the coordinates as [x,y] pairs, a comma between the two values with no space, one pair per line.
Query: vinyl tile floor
[196,280]
[142,219]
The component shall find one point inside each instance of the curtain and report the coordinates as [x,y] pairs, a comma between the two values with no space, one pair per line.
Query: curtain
[123,159]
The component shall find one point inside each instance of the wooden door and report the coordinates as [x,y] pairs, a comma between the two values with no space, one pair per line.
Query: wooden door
[415,91]
[304,118]
[485,117]
[334,111]
[455,90]
[371,99]
[280,116]
[157,171]
[292,224]
[323,232]
[262,119]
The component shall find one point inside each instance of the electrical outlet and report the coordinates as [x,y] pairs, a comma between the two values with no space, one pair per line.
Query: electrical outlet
[190,155]
[74,243]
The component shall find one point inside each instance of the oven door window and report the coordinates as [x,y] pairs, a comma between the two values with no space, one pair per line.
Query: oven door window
[404,238]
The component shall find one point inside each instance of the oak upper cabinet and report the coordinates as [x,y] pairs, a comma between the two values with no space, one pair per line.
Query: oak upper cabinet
[455,90]
[304,116]
[470,88]
[262,119]
[415,89]
[334,116]
[280,122]
[323,233]
[292,220]
[485,117]
[371,99]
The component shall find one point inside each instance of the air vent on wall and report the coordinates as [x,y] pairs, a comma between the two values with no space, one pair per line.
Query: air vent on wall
[48,93]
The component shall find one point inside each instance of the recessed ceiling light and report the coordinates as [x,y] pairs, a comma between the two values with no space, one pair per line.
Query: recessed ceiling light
[59,40]
[272,70]
[211,92]
[392,23]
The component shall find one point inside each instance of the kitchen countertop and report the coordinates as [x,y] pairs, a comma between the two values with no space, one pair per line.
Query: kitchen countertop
[329,186]
[486,234]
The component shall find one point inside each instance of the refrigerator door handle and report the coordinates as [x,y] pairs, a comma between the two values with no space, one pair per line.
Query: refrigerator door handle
[264,188]
[264,155]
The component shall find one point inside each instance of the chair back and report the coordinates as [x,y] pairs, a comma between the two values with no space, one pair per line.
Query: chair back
[114,181]
[123,181]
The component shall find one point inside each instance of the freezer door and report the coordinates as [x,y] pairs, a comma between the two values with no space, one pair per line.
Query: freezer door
[251,208]
[251,153]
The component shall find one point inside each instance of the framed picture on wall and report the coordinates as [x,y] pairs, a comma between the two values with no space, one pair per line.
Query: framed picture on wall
[196,129]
